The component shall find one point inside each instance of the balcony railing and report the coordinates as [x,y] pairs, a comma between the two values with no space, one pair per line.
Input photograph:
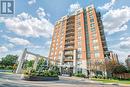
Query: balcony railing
[69,48]
[68,59]
[70,38]
[69,53]
[69,43]
[69,34]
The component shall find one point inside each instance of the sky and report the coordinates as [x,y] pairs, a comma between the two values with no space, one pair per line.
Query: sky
[33,22]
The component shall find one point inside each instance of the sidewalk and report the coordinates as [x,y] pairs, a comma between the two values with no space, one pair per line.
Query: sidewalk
[91,81]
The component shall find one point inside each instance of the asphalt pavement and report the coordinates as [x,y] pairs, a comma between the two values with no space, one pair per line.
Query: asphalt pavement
[13,80]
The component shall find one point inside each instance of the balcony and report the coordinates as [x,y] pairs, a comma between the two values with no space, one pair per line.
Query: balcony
[70,48]
[69,43]
[69,30]
[68,60]
[70,24]
[68,54]
[70,38]
[68,64]
[69,34]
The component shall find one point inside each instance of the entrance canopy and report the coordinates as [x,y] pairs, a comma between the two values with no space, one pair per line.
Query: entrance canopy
[22,59]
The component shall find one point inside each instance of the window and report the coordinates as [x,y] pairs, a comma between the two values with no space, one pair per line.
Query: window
[91,17]
[91,20]
[60,46]
[79,44]
[52,49]
[95,41]
[79,62]
[94,36]
[79,56]
[93,32]
[89,8]
[96,47]
[79,38]
[96,54]
[79,49]
[92,24]
[93,29]
[51,53]
[54,58]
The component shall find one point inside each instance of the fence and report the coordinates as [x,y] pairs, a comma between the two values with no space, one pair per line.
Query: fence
[122,76]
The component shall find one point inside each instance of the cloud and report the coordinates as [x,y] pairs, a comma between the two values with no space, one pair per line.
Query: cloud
[115,20]
[40,12]
[30,2]
[74,7]
[10,45]
[125,43]
[108,5]
[28,26]
[17,41]
[3,49]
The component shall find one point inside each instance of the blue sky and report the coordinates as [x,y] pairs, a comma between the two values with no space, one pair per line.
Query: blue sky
[32,25]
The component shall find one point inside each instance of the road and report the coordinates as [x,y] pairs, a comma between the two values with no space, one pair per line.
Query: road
[13,80]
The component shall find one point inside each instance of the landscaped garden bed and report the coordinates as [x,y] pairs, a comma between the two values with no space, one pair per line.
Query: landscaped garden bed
[40,78]
[44,75]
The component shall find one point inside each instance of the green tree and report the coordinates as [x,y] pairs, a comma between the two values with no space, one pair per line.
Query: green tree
[9,60]
[41,64]
[28,64]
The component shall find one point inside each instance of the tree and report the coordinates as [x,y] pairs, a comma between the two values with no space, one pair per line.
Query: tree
[9,60]
[120,69]
[41,64]
[28,64]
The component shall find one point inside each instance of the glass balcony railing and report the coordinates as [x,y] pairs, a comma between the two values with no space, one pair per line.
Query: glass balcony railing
[70,38]
[69,34]
[69,43]
[68,59]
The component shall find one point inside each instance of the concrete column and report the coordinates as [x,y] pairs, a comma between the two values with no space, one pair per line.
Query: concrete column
[21,61]
[47,61]
[35,63]
[61,62]
[61,59]
[84,67]
[74,62]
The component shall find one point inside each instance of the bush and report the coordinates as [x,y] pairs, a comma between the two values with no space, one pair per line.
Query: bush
[46,73]
[9,68]
[79,75]
[30,72]
[2,67]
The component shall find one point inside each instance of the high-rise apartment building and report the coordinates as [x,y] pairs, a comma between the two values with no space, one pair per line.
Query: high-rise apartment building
[78,41]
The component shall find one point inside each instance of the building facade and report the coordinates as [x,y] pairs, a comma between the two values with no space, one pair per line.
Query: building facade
[113,57]
[128,62]
[78,41]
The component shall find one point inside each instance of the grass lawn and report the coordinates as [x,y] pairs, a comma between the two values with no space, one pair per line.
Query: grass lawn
[112,81]
[6,72]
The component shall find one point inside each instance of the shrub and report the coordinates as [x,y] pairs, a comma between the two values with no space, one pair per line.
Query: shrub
[9,68]
[46,73]
[2,67]
[79,75]
[30,72]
